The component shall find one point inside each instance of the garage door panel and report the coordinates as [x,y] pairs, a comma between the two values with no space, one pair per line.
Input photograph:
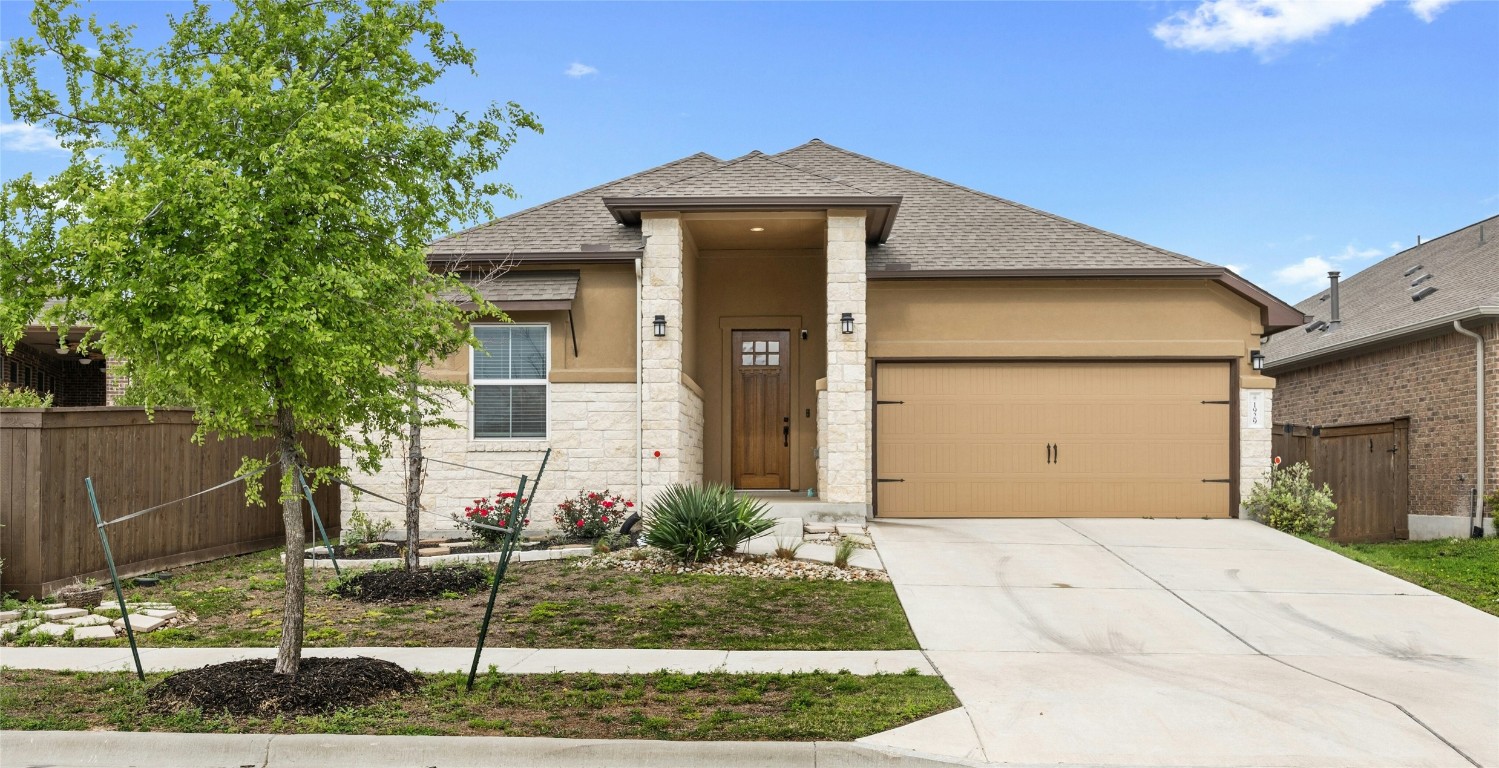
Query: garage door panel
[1132,439]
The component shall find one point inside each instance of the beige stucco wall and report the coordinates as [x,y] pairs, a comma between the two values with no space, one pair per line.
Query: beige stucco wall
[754,290]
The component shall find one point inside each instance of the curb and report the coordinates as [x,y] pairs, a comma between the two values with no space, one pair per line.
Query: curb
[114,749]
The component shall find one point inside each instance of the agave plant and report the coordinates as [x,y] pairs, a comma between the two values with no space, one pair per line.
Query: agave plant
[694,523]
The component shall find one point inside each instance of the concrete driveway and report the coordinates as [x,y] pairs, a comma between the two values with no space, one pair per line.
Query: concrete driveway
[1186,643]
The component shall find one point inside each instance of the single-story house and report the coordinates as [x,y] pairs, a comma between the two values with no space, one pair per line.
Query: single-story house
[1415,337]
[850,337]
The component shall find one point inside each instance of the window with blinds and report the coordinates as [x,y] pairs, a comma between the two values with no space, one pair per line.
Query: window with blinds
[509,375]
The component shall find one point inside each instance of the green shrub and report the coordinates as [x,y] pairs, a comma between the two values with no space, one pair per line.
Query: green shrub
[590,514]
[1291,503]
[21,397]
[363,530]
[695,523]
[843,552]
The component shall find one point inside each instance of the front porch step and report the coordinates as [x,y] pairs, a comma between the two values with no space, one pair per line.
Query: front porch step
[814,511]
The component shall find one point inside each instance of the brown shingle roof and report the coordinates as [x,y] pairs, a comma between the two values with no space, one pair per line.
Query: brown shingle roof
[566,224]
[754,175]
[1375,304]
[940,226]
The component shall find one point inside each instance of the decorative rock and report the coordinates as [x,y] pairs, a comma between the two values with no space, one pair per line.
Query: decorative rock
[56,630]
[162,613]
[58,614]
[141,623]
[87,621]
[94,633]
[9,616]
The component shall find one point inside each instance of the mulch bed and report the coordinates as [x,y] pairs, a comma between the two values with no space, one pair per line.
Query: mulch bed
[391,585]
[252,687]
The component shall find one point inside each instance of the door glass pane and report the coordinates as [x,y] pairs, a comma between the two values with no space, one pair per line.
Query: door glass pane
[746,346]
[759,346]
[746,359]
[775,359]
[759,359]
[775,346]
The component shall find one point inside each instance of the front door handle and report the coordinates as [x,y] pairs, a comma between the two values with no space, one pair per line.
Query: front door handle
[786,437]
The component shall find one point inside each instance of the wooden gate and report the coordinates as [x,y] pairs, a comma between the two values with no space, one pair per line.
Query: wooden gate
[1366,466]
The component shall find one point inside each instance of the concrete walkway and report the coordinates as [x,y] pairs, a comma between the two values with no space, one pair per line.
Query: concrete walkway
[1186,643]
[505,660]
[75,749]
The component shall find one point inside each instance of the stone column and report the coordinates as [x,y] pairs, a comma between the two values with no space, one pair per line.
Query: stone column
[661,358]
[847,479]
[1255,400]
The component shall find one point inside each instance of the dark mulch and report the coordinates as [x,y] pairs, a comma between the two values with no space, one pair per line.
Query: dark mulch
[252,687]
[390,585]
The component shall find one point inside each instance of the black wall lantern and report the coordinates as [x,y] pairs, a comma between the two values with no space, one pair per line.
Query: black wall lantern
[848,322]
[1257,360]
[660,324]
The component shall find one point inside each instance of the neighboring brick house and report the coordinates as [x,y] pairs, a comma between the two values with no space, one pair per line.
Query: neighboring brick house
[1393,352]
[847,337]
[34,364]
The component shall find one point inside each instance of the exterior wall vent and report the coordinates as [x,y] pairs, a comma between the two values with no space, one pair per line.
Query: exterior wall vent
[1423,293]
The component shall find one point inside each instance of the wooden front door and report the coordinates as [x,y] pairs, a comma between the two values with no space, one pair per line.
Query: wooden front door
[761,409]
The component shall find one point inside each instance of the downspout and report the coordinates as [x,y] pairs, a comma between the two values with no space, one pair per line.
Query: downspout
[1477,515]
[639,382]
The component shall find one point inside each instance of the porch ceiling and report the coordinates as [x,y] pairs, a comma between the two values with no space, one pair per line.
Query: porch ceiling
[778,231]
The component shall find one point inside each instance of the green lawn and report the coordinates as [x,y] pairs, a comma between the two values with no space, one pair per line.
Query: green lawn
[1462,569]
[712,706]
[237,601]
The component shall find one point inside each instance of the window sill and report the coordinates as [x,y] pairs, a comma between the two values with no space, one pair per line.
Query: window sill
[505,445]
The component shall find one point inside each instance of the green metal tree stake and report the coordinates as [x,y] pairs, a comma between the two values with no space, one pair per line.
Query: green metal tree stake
[318,521]
[514,523]
[115,577]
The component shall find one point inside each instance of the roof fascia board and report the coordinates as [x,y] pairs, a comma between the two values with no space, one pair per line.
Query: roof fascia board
[882,208]
[1275,315]
[1403,333]
[581,257]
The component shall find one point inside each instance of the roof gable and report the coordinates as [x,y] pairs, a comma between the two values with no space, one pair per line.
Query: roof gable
[1375,304]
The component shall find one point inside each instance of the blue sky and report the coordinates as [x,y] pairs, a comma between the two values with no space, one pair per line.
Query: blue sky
[1278,136]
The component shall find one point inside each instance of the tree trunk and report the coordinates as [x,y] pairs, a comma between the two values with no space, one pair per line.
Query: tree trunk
[289,654]
[414,480]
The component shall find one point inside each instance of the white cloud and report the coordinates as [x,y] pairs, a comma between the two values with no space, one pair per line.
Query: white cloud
[1353,253]
[23,137]
[1395,246]
[1235,268]
[1308,274]
[579,69]
[1427,10]
[1265,26]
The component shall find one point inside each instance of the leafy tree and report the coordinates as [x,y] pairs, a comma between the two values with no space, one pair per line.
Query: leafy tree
[244,215]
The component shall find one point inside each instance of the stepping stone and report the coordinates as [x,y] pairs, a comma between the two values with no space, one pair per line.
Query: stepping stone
[848,528]
[431,551]
[9,616]
[55,630]
[858,538]
[141,623]
[162,613]
[819,528]
[94,633]
[431,542]
[58,614]
[87,621]
[819,537]
[14,628]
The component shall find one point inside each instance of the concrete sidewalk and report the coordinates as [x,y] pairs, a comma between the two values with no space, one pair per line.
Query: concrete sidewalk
[506,660]
[74,749]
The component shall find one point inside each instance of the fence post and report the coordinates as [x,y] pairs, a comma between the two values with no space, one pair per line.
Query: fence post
[115,577]
[501,564]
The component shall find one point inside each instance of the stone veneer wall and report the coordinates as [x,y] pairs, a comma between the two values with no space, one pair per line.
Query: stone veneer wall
[846,452]
[691,433]
[593,441]
[1254,441]
[661,358]
[1429,380]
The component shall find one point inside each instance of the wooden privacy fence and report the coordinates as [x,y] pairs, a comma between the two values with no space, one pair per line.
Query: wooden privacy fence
[1367,467]
[49,539]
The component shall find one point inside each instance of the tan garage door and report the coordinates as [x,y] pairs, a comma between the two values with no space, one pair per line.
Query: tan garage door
[1044,439]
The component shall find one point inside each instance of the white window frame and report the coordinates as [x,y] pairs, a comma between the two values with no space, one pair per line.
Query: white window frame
[546,381]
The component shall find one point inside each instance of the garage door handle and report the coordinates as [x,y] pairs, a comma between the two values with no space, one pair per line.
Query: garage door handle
[889,402]
[1056,453]
[1215,402]
[890,480]
[1224,480]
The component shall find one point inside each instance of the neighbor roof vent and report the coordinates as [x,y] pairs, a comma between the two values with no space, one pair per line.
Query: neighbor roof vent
[1413,270]
[1423,293]
[1420,279]
[1317,326]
